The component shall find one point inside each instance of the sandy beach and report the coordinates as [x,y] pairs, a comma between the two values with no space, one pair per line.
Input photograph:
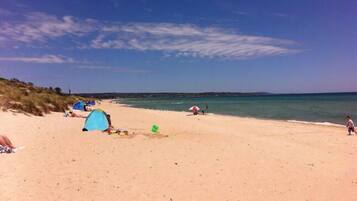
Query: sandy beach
[209,157]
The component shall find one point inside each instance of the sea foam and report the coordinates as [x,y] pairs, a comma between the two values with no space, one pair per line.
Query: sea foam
[316,123]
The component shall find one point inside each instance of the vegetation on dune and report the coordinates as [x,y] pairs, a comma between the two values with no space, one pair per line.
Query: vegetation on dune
[24,97]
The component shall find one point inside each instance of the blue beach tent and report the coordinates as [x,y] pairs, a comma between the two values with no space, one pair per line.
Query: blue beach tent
[96,120]
[79,105]
[91,102]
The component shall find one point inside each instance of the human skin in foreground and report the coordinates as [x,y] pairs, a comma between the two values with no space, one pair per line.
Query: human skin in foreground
[5,141]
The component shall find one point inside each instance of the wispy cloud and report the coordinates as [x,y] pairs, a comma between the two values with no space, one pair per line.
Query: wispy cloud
[180,39]
[85,65]
[117,69]
[42,27]
[46,59]
[189,40]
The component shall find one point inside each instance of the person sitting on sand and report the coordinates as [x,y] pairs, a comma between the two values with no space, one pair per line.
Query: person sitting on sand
[195,111]
[5,145]
[350,126]
[109,122]
[72,114]
[87,108]
[112,130]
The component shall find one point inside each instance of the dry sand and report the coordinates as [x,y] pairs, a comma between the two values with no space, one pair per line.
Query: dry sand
[208,157]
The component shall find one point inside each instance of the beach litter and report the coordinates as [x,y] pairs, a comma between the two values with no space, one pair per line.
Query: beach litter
[155,129]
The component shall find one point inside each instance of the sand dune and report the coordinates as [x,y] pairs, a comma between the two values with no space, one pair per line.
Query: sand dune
[209,157]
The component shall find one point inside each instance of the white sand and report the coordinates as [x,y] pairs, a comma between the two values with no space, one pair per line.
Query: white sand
[208,157]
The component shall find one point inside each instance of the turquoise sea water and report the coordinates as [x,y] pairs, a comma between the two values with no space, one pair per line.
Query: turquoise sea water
[331,108]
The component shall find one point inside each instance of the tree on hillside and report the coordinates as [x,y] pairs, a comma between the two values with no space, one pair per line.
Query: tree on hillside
[14,80]
[58,90]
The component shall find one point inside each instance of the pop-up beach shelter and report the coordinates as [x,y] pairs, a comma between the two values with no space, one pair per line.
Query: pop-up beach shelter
[91,102]
[79,105]
[96,120]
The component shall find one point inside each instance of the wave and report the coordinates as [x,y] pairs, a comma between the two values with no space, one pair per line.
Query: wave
[316,123]
[293,110]
[177,103]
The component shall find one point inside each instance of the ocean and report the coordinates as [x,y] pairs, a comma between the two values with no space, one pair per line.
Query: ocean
[306,108]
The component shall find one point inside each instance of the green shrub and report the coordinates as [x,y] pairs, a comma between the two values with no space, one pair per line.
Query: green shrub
[25,97]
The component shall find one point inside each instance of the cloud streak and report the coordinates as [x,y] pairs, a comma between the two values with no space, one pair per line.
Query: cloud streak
[116,69]
[83,65]
[167,38]
[189,40]
[45,59]
[42,27]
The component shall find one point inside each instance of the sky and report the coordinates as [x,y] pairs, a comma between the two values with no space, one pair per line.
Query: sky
[276,46]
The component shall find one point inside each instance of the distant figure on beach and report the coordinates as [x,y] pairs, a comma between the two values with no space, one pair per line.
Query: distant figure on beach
[205,111]
[195,111]
[5,145]
[85,107]
[350,126]
[109,122]
[72,114]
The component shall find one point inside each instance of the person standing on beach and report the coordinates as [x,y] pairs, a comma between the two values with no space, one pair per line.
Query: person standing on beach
[350,126]
[205,111]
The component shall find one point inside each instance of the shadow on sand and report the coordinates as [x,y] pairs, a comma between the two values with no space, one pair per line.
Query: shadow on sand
[147,135]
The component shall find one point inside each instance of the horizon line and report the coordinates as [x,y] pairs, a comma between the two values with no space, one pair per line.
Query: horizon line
[221,92]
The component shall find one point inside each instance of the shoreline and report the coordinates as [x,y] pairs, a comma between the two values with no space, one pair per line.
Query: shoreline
[330,124]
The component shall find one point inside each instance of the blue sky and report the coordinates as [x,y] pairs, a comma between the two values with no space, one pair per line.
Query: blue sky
[181,46]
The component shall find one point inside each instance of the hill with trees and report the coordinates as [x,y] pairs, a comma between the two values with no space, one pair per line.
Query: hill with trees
[19,96]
